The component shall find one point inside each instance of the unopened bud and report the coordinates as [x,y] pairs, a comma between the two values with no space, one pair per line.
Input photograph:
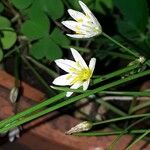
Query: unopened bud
[141,59]
[83,126]
[14,133]
[13,94]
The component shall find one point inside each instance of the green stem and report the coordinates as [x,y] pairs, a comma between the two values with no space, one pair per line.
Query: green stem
[124,56]
[31,110]
[110,133]
[141,106]
[128,128]
[38,76]
[10,52]
[120,45]
[138,139]
[121,118]
[127,93]
[114,74]
[41,66]
[137,55]
[67,102]
[122,93]
[67,89]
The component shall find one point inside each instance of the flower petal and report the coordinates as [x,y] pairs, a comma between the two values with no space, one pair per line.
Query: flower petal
[90,14]
[78,16]
[85,8]
[76,26]
[63,80]
[75,86]
[92,64]
[78,58]
[80,35]
[86,85]
[70,24]
[66,64]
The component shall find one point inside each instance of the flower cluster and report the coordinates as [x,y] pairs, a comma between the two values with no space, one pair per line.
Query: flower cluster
[78,73]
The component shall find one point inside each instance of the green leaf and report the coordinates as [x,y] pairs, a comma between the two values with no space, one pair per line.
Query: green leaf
[37,27]
[4,22]
[60,38]
[102,5]
[8,38]
[54,8]
[22,4]
[135,12]
[1,7]
[45,48]
[74,4]
[1,54]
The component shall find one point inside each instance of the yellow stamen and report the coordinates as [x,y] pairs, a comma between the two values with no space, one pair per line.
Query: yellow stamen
[78,29]
[82,75]
[69,77]
[80,20]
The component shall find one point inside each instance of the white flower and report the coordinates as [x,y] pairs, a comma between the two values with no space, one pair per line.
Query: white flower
[78,73]
[85,25]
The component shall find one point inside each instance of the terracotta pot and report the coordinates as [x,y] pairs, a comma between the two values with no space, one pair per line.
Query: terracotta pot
[48,132]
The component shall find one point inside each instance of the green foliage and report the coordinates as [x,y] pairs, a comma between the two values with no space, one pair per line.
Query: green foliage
[60,38]
[1,54]
[134,12]
[36,27]
[54,8]
[45,48]
[133,22]
[8,35]
[99,6]
[8,38]
[1,7]
[20,4]
[102,5]
[4,22]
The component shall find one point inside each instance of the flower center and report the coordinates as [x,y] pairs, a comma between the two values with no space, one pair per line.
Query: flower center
[81,75]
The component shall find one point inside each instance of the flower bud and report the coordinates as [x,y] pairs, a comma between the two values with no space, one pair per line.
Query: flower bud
[13,94]
[83,126]
[14,133]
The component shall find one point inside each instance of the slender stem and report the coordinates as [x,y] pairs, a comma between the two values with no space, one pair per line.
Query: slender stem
[126,129]
[31,110]
[138,139]
[137,55]
[38,76]
[69,101]
[67,89]
[10,52]
[141,106]
[114,74]
[41,66]
[125,56]
[110,133]
[127,93]
[121,118]
[120,45]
